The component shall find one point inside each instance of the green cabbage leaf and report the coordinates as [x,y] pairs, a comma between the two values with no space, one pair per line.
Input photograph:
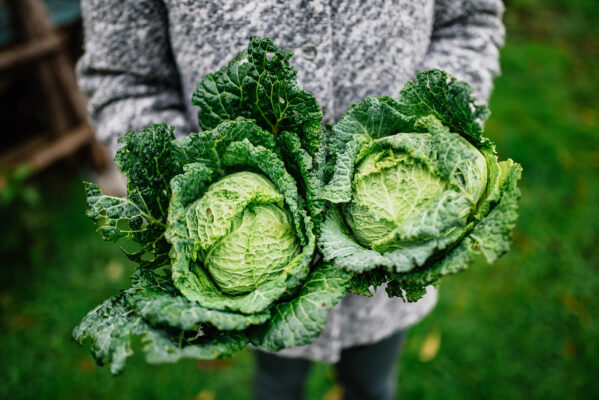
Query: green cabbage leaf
[251,230]
[415,189]
[222,224]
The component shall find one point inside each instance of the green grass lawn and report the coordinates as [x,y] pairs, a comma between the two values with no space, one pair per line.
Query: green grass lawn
[526,327]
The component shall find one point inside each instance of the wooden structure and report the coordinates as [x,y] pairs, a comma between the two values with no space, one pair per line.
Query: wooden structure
[68,129]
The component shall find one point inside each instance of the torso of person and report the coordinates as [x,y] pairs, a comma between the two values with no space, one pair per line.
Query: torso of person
[344,50]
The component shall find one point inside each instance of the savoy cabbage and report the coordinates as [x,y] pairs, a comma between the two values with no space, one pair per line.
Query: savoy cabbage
[252,229]
[226,222]
[415,189]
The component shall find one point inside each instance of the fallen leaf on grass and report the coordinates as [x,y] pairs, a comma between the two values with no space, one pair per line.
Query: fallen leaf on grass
[114,270]
[86,364]
[569,351]
[335,393]
[19,322]
[431,346]
[213,364]
[205,395]
[574,306]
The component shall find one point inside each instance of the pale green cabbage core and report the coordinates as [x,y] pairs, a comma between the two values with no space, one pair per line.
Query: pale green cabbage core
[387,189]
[243,234]
[471,175]
[397,200]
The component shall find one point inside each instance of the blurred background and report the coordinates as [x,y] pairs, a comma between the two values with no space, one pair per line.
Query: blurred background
[526,327]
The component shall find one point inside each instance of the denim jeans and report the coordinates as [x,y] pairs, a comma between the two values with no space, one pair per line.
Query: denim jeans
[365,372]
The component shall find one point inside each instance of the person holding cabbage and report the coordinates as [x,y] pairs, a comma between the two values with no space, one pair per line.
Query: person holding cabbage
[143,60]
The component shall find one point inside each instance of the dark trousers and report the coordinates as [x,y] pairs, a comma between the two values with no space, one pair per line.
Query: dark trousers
[365,372]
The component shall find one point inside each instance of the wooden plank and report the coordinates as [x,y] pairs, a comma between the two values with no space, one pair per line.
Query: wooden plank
[31,17]
[42,153]
[31,51]
[22,151]
[65,103]
[32,23]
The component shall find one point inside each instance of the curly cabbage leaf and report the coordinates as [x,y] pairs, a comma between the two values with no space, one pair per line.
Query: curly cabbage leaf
[149,160]
[227,221]
[413,183]
[301,320]
[111,327]
[260,84]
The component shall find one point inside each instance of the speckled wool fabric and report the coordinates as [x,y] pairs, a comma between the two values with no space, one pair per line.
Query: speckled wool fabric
[143,59]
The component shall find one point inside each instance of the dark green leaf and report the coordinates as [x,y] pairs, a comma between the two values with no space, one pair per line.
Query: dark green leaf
[439,94]
[112,326]
[301,320]
[260,84]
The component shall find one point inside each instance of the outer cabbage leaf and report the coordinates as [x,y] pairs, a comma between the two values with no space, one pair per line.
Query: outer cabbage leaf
[363,283]
[493,234]
[112,326]
[450,101]
[338,244]
[301,320]
[308,171]
[155,299]
[376,117]
[260,84]
[208,147]
[149,160]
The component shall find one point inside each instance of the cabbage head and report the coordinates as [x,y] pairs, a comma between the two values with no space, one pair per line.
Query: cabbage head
[241,235]
[222,224]
[244,235]
[415,189]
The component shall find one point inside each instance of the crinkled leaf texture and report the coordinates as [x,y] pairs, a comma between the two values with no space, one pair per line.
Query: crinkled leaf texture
[260,84]
[289,296]
[112,327]
[414,189]
[149,160]
[179,310]
[300,320]
[257,121]
[194,205]
[439,94]
[156,299]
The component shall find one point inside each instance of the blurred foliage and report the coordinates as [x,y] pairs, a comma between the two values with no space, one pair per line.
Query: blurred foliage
[526,327]
[20,213]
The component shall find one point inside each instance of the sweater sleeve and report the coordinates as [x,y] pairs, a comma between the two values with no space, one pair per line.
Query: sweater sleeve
[127,69]
[465,42]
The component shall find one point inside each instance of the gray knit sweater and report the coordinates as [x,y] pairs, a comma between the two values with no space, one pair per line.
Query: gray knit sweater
[143,59]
